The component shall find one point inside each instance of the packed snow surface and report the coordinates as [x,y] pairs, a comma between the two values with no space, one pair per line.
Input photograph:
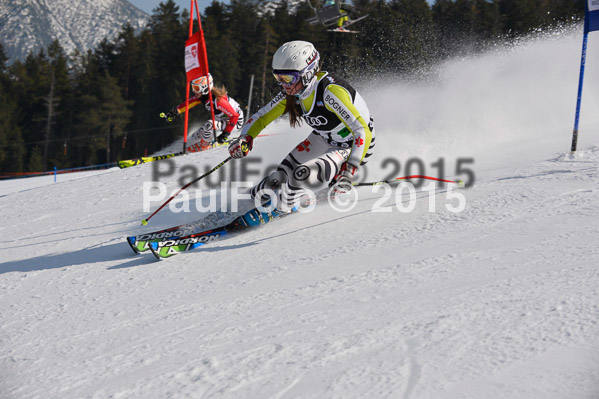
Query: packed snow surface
[500,300]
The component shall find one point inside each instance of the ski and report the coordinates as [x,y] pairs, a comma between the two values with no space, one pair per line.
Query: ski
[197,148]
[192,235]
[341,30]
[138,161]
[167,247]
[140,243]
[167,242]
[127,163]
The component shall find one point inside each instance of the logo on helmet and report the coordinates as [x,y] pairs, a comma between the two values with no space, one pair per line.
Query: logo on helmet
[312,57]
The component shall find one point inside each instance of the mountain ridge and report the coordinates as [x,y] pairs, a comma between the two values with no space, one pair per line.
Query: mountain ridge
[29,25]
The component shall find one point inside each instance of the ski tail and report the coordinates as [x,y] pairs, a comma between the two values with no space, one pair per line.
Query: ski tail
[131,241]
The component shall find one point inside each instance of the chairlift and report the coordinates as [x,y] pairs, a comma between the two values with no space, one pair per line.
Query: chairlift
[330,13]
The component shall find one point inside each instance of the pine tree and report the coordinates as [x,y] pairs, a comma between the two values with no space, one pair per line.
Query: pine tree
[59,63]
[127,50]
[222,47]
[269,47]
[522,16]
[11,141]
[413,36]
[35,163]
[107,115]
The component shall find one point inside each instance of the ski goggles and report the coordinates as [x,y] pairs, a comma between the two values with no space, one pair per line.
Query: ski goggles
[200,83]
[287,78]
[196,87]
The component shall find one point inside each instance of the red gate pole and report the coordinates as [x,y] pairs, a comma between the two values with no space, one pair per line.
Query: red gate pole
[206,63]
[187,85]
[203,68]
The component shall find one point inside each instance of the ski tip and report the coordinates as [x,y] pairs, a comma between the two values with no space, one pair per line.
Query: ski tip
[144,222]
[461,184]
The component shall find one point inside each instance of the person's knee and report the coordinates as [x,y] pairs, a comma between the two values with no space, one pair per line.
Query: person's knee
[272,182]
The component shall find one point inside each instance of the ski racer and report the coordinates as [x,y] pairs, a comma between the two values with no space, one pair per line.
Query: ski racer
[342,138]
[228,115]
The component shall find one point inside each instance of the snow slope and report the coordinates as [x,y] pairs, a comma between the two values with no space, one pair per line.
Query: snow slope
[498,301]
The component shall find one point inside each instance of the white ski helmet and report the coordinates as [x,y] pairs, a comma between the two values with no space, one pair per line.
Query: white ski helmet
[299,56]
[203,84]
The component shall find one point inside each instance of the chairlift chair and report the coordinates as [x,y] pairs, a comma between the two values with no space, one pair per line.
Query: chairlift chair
[328,15]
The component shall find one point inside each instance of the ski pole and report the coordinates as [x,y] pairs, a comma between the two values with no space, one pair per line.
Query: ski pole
[145,221]
[374,183]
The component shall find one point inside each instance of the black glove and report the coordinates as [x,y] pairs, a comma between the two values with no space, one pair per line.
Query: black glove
[170,115]
[342,180]
[222,137]
[240,147]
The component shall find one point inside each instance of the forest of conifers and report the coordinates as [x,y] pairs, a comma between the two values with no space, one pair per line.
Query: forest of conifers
[71,110]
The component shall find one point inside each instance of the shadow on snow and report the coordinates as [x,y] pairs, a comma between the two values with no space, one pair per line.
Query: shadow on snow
[105,253]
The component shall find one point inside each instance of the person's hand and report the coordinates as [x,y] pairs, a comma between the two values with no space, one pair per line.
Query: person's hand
[240,147]
[342,180]
[170,115]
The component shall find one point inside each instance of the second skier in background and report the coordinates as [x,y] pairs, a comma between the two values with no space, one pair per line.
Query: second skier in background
[227,114]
